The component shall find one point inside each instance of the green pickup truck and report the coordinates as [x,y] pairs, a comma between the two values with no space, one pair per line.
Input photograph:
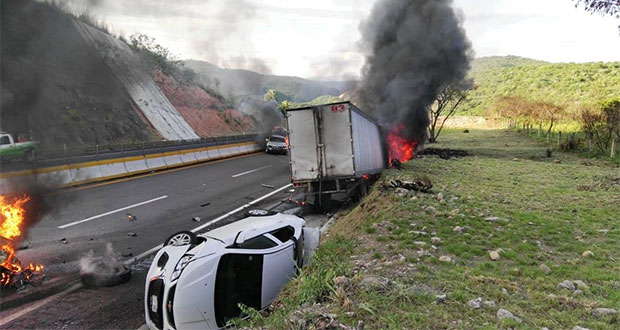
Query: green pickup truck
[9,149]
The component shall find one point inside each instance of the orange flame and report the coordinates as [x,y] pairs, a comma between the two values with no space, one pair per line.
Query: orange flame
[286,140]
[11,218]
[400,148]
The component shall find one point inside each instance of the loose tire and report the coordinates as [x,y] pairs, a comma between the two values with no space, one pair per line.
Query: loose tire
[184,237]
[105,279]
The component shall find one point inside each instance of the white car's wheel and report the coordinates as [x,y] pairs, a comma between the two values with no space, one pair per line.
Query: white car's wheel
[184,237]
[258,213]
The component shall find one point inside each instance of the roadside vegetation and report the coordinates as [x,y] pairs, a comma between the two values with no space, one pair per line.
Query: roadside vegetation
[507,238]
[569,85]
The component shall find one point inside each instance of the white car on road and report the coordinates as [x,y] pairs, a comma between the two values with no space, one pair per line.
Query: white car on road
[197,282]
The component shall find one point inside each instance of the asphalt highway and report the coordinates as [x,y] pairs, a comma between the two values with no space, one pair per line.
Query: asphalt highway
[134,215]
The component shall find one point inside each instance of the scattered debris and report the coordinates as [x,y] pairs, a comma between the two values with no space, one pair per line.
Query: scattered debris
[197,219]
[436,240]
[132,234]
[492,219]
[494,255]
[587,254]
[205,204]
[267,185]
[545,268]
[106,270]
[440,298]
[444,153]
[131,217]
[63,240]
[445,259]
[504,314]
[458,229]
[419,184]
[420,244]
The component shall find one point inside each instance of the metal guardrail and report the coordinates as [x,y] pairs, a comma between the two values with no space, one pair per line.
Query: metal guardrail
[65,156]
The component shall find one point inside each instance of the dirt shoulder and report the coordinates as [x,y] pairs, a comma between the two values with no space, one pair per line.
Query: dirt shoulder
[507,238]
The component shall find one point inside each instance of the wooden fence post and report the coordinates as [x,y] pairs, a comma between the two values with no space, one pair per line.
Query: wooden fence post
[613,147]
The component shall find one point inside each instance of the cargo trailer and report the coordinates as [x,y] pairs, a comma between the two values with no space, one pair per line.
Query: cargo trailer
[334,148]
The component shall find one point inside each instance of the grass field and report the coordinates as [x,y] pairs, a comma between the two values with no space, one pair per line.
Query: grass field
[383,264]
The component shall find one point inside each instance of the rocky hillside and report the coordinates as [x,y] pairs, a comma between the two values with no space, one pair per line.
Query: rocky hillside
[204,112]
[65,82]
[55,87]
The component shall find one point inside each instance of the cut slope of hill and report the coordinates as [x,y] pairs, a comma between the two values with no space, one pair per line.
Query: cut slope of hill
[233,82]
[572,85]
[55,87]
[205,113]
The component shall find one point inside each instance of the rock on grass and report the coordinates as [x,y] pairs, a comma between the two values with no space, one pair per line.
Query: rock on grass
[504,314]
[598,312]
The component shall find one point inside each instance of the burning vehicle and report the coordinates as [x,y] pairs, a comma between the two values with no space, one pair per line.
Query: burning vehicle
[199,281]
[276,144]
[12,272]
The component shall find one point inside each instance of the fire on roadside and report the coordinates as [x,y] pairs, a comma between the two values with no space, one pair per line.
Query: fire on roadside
[12,215]
[400,148]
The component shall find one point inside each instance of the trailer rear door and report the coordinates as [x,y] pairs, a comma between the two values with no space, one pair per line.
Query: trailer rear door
[336,129]
[303,145]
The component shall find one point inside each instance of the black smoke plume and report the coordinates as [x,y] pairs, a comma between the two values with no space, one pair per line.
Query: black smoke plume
[266,114]
[413,48]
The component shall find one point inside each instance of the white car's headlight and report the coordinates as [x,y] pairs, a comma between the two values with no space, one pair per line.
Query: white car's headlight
[178,269]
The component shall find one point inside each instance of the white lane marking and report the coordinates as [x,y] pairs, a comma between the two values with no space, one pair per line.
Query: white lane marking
[250,171]
[156,248]
[25,310]
[112,212]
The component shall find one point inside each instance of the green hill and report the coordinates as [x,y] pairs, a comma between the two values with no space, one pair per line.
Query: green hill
[241,83]
[572,85]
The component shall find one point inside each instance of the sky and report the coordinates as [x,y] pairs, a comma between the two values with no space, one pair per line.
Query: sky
[319,38]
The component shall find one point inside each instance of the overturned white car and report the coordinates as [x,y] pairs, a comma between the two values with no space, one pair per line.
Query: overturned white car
[197,282]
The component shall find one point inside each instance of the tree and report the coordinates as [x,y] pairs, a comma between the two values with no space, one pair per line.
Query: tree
[603,7]
[449,99]
[283,106]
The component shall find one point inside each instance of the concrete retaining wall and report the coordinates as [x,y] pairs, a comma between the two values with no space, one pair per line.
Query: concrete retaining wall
[76,174]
